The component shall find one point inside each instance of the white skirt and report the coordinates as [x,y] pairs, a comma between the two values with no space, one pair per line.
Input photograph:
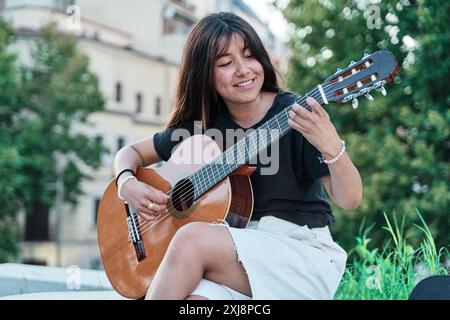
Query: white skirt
[283,261]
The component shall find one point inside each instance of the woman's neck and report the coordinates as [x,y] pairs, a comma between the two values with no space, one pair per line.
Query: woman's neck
[248,114]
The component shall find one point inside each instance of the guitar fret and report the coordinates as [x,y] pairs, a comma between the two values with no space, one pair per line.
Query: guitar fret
[256,146]
[278,124]
[239,151]
[246,149]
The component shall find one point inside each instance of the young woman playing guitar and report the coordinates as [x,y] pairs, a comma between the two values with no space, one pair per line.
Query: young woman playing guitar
[227,81]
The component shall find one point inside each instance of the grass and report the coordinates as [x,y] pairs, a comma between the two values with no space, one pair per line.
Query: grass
[390,273]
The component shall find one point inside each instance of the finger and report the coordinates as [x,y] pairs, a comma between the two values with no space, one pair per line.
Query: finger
[300,128]
[302,122]
[315,106]
[303,112]
[146,216]
[155,209]
[157,195]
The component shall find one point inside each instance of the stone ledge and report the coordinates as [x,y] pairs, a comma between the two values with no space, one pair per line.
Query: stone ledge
[67,295]
[19,279]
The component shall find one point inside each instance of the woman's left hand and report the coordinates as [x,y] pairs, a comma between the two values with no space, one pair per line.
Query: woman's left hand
[316,127]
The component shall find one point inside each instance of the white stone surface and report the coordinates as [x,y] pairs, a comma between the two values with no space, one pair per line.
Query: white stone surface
[21,279]
[67,295]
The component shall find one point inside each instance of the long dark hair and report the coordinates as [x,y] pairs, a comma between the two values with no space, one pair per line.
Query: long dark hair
[196,96]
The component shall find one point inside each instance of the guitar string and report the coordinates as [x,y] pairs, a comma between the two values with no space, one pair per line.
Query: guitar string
[315,93]
[205,182]
[150,223]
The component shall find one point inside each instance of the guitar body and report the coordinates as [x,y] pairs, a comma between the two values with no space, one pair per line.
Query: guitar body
[131,268]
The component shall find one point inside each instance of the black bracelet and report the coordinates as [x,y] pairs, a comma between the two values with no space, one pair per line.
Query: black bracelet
[124,170]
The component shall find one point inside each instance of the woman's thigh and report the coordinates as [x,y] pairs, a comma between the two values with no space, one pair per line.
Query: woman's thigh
[215,248]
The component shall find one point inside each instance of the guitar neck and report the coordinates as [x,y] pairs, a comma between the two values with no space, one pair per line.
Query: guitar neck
[247,148]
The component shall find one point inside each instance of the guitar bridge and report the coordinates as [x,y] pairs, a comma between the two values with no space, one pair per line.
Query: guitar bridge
[134,232]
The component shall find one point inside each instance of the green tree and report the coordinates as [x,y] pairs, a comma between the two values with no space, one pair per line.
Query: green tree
[400,143]
[55,94]
[10,159]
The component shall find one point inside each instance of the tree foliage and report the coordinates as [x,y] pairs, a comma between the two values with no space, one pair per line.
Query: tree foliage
[399,143]
[41,108]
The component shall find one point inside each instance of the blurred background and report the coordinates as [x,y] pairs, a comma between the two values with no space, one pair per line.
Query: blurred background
[80,79]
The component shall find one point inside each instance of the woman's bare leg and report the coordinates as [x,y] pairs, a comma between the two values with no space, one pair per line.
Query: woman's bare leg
[198,250]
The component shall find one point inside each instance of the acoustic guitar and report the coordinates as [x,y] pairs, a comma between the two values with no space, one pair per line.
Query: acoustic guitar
[213,188]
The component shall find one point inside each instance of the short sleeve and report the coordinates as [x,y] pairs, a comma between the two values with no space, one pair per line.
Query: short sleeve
[312,163]
[166,141]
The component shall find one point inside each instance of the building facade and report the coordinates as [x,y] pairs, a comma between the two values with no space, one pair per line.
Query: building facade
[134,48]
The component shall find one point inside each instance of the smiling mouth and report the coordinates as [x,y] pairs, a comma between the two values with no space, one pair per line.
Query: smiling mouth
[245,83]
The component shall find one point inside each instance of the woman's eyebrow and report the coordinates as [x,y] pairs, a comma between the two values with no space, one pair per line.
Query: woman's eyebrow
[222,55]
[225,54]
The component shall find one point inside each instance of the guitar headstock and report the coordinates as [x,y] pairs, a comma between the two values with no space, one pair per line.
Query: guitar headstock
[373,71]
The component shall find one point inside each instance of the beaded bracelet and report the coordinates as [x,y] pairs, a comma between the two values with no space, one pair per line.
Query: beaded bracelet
[331,161]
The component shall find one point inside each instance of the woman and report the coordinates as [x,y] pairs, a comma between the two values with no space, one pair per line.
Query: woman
[228,82]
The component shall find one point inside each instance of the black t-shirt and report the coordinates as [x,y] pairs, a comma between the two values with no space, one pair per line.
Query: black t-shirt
[290,189]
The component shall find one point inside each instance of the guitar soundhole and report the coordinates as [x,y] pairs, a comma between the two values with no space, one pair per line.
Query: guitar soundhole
[183,195]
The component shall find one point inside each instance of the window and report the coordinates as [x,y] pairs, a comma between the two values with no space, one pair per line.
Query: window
[118,92]
[96,206]
[138,103]
[175,22]
[63,4]
[37,223]
[99,139]
[158,106]
[120,143]
[35,261]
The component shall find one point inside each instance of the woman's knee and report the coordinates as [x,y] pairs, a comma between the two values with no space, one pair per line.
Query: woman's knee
[186,244]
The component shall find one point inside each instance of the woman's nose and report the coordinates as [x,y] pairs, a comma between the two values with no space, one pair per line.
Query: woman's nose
[242,69]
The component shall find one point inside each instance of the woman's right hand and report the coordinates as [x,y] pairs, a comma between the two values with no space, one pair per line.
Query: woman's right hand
[139,195]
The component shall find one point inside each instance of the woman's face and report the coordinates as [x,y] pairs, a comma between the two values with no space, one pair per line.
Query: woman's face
[238,76]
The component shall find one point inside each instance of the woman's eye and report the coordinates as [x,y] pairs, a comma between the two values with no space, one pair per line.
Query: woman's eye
[224,64]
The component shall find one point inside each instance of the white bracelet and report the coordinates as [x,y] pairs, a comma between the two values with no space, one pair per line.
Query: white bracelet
[121,185]
[323,160]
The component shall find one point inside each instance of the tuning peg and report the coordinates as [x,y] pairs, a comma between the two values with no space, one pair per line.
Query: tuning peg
[382,90]
[368,96]
[355,103]
[366,55]
[351,63]
[338,70]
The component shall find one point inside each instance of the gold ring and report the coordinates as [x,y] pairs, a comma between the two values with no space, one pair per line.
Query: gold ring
[150,205]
